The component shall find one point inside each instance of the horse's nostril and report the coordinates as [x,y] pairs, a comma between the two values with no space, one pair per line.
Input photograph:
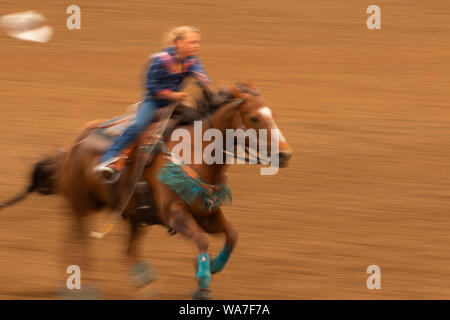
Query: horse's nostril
[285,155]
[283,158]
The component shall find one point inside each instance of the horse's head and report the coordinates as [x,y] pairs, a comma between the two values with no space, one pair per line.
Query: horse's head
[255,113]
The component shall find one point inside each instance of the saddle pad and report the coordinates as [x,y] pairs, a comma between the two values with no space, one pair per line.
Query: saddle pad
[106,133]
[114,127]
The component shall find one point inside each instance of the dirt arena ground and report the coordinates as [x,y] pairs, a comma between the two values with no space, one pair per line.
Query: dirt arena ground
[366,112]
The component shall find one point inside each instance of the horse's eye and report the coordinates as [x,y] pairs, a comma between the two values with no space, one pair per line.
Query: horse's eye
[254,119]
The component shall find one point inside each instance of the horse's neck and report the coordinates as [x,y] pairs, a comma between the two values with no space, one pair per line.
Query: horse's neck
[193,90]
[221,120]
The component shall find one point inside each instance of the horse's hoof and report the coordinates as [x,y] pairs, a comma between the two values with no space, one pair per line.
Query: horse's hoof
[88,292]
[202,294]
[146,292]
[143,274]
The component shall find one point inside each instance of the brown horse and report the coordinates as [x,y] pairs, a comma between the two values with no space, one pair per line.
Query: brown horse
[70,173]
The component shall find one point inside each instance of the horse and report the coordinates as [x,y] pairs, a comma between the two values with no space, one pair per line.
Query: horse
[186,197]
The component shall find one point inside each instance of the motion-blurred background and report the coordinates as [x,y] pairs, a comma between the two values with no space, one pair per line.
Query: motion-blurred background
[366,112]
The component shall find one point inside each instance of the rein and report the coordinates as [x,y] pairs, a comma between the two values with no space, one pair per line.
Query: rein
[248,154]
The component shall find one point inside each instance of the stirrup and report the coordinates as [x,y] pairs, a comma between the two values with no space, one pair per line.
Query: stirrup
[107,170]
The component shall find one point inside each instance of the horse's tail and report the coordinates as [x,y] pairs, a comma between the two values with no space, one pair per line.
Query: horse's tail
[44,178]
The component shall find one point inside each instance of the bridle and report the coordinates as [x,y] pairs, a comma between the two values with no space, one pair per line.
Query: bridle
[249,155]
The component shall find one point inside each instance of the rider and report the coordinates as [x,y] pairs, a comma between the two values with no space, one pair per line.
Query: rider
[164,78]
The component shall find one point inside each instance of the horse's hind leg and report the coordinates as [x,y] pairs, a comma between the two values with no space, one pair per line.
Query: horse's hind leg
[217,223]
[142,272]
[181,221]
[79,256]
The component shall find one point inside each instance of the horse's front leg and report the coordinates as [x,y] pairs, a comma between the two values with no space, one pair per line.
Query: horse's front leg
[182,221]
[218,223]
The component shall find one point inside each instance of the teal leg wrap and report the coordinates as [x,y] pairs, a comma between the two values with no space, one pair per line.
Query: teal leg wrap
[203,271]
[219,262]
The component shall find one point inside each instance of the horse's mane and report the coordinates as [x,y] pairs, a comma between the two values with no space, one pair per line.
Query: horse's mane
[224,95]
[210,102]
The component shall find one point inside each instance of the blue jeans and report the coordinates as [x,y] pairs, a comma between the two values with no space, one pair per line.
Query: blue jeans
[143,118]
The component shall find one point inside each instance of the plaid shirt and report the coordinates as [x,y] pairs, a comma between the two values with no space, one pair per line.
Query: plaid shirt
[163,77]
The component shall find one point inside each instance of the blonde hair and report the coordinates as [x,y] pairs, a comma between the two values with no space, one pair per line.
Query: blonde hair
[178,33]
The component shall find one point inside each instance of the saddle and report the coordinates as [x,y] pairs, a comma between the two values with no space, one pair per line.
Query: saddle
[111,129]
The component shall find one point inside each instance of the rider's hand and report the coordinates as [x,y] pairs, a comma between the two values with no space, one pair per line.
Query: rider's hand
[177,96]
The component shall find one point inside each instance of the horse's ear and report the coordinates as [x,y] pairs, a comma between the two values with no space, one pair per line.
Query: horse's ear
[236,92]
